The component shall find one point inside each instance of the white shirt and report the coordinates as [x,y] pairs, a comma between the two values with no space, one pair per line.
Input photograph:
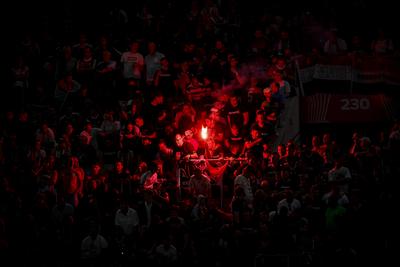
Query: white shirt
[244,182]
[343,200]
[91,248]
[127,222]
[152,64]
[333,48]
[131,62]
[291,207]
[339,174]
[169,254]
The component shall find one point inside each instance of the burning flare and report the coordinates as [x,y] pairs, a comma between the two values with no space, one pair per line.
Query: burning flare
[204,132]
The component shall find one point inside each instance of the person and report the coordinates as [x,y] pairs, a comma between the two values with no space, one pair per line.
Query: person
[334,45]
[166,253]
[199,184]
[93,248]
[340,175]
[243,181]
[149,211]
[126,222]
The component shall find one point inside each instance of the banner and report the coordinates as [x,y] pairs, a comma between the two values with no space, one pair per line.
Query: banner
[216,170]
[329,108]
[360,69]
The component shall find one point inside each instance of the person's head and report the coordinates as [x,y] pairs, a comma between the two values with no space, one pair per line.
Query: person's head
[92,185]
[142,166]
[103,41]
[44,127]
[202,200]
[290,148]
[239,192]
[315,141]
[277,76]
[179,140]
[281,150]
[164,63]
[280,64]
[264,185]
[233,61]
[10,115]
[151,48]
[234,101]
[129,127]
[188,134]
[248,171]
[134,48]
[289,195]
[83,38]
[260,117]
[73,162]
[148,196]
[67,51]
[139,122]
[365,142]
[96,168]
[119,166]
[124,205]
[219,45]
[255,133]
[69,129]
[93,231]
[87,52]
[162,145]
[274,86]
[338,162]
[60,201]
[88,127]
[267,93]
[332,35]
[23,116]
[106,56]
[284,35]
[326,138]
[187,109]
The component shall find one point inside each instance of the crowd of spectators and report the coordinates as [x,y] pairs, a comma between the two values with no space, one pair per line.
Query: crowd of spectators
[102,161]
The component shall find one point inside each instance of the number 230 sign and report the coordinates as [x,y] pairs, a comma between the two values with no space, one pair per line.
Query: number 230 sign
[355,104]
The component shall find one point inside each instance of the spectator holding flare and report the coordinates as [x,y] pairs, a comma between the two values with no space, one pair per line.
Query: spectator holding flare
[151,123]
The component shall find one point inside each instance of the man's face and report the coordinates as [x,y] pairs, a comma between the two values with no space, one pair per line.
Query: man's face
[119,166]
[179,140]
[134,47]
[254,134]
[234,101]
[96,169]
[139,122]
[188,134]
